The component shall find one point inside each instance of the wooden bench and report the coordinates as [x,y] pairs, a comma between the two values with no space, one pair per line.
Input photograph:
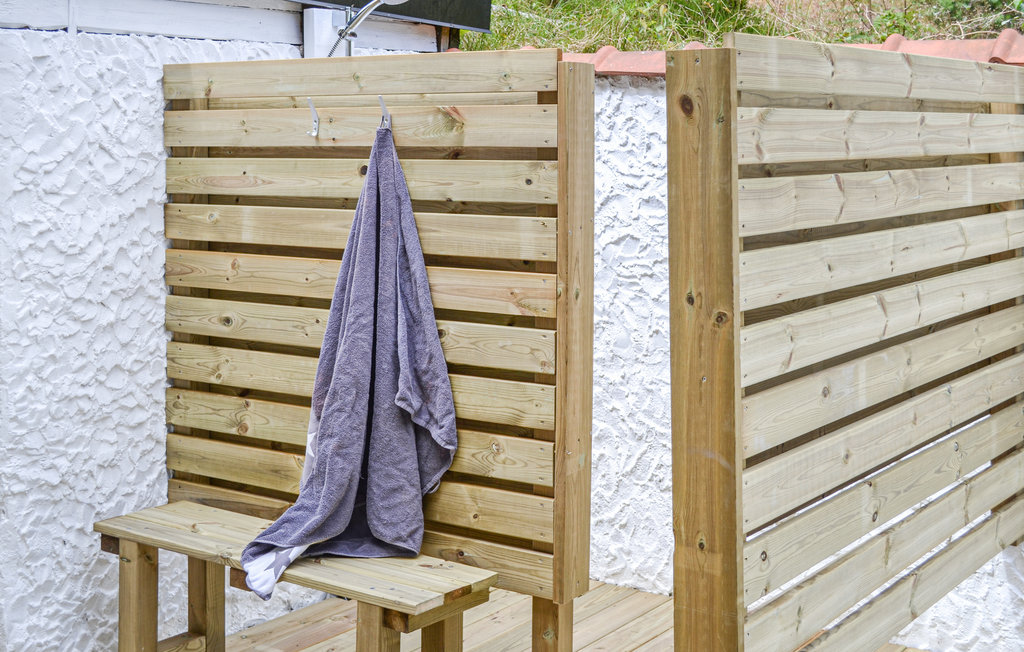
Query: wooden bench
[498,151]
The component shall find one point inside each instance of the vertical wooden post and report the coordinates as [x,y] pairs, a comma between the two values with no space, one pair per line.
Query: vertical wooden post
[206,602]
[707,461]
[574,336]
[552,626]
[371,633]
[137,597]
[574,357]
[443,636]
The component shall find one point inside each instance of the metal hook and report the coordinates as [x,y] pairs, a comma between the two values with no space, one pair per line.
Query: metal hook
[316,119]
[385,117]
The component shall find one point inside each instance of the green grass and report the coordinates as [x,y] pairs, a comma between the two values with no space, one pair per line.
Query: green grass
[586,25]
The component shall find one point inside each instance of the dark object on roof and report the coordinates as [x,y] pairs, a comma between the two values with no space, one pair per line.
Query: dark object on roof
[473,15]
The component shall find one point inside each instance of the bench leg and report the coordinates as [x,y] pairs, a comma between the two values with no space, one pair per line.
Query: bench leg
[552,626]
[443,636]
[371,633]
[206,602]
[137,593]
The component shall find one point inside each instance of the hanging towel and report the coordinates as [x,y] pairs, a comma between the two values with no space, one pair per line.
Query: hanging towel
[382,424]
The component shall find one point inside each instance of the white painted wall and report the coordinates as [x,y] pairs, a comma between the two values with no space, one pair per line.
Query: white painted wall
[81,325]
[81,344]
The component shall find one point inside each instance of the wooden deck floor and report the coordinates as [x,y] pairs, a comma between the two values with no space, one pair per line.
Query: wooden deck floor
[609,617]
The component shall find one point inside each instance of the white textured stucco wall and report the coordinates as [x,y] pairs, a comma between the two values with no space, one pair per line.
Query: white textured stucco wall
[81,322]
[81,345]
[632,472]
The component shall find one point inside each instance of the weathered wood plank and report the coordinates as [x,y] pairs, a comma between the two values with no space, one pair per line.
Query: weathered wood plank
[465,72]
[703,256]
[777,346]
[233,500]
[442,234]
[883,617]
[249,465]
[484,181]
[774,135]
[575,336]
[800,612]
[785,411]
[519,459]
[796,544]
[390,99]
[452,288]
[491,510]
[510,402]
[483,345]
[773,204]
[519,569]
[249,417]
[773,64]
[137,595]
[423,126]
[778,274]
[795,477]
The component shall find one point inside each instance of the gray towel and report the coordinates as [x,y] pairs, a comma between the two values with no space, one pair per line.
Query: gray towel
[382,425]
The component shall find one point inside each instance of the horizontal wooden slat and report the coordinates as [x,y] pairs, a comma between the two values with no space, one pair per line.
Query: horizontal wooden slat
[885,615]
[480,508]
[483,345]
[451,288]
[249,417]
[788,343]
[795,477]
[777,274]
[812,100]
[250,465]
[803,610]
[487,181]
[442,234]
[463,72]
[519,569]
[243,502]
[773,64]
[491,510]
[785,411]
[519,459]
[796,544]
[771,135]
[484,454]
[773,204]
[510,402]
[460,125]
[390,99]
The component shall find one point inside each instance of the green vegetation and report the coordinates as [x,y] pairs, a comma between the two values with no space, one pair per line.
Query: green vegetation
[586,25]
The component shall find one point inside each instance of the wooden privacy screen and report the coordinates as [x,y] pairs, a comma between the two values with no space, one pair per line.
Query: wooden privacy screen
[845,232]
[498,151]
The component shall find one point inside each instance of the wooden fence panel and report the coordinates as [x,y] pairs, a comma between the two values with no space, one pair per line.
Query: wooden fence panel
[870,234]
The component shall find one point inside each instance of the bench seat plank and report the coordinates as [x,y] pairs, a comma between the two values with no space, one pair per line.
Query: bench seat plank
[409,585]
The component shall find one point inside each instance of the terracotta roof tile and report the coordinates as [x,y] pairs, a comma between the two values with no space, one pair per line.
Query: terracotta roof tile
[1007,48]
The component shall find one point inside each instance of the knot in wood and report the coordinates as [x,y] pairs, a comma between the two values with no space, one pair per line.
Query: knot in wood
[686,104]
[690,299]
[721,318]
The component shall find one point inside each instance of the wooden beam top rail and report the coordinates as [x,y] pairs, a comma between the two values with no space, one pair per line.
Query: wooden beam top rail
[449,72]
[772,64]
